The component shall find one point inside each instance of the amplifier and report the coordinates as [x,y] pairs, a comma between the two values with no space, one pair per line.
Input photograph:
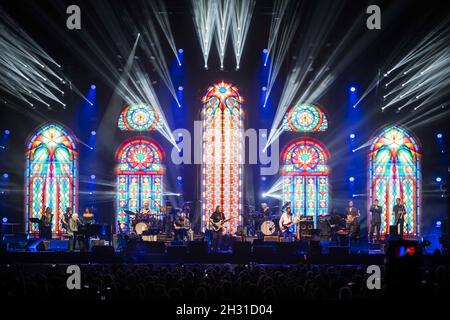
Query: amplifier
[305,229]
[272,238]
[99,243]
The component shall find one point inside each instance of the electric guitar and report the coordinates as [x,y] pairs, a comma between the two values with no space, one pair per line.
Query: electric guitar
[400,215]
[216,226]
[286,227]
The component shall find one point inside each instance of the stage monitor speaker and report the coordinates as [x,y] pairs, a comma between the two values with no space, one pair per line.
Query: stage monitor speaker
[103,251]
[242,248]
[393,233]
[263,250]
[287,248]
[16,241]
[198,247]
[315,247]
[154,247]
[339,251]
[59,245]
[176,250]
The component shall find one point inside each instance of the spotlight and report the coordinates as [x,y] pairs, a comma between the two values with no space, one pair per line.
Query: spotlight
[180,50]
[352,89]
[265,51]
[264,195]
[7,132]
[5,219]
[93,86]
[438,224]
[351,179]
[263,178]
[438,179]
[264,88]
[439,135]
[352,136]
[93,133]
[180,88]
[93,177]
[179,178]
[5,175]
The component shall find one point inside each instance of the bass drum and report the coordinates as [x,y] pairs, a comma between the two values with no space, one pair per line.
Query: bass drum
[268,228]
[140,227]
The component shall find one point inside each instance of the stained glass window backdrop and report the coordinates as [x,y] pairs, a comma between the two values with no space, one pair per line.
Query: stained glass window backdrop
[138,117]
[305,174]
[139,172]
[394,172]
[222,123]
[305,118]
[51,173]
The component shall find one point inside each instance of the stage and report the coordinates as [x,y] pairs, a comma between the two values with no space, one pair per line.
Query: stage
[235,133]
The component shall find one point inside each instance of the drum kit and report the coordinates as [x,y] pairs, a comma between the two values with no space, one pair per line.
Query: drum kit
[157,222]
[259,223]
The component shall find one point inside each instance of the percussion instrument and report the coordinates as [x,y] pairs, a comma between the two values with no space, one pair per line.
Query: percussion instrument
[140,227]
[268,228]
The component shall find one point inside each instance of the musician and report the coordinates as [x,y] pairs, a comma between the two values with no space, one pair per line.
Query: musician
[375,220]
[337,222]
[352,218]
[122,235]
[399,213]
[45,226]
[65,218]
[216,219]
[146,208]
[265,211]
[88,216]
[181,227]
[73,224]
[286,222]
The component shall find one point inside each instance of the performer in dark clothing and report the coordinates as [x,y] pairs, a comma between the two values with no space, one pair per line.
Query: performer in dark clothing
[216,220]
[375,220]
[65,218]
[45,226]
[181,227]
[337,222]
[352,219]
[399,214]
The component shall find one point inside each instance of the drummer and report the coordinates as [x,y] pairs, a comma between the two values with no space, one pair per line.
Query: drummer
[265,211]
[146,210]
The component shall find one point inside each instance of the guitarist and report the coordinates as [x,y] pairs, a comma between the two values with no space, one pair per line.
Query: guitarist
[286,224]
[399,213]
[216,220]
[353,223]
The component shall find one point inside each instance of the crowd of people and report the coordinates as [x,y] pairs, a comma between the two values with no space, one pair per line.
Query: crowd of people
[204,282]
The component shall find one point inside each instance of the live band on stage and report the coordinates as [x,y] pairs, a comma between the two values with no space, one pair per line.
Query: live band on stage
[175,224]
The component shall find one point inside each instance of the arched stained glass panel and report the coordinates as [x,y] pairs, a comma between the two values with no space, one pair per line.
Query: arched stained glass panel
[51,173]
[395,172]
[222,170]
[139,176]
